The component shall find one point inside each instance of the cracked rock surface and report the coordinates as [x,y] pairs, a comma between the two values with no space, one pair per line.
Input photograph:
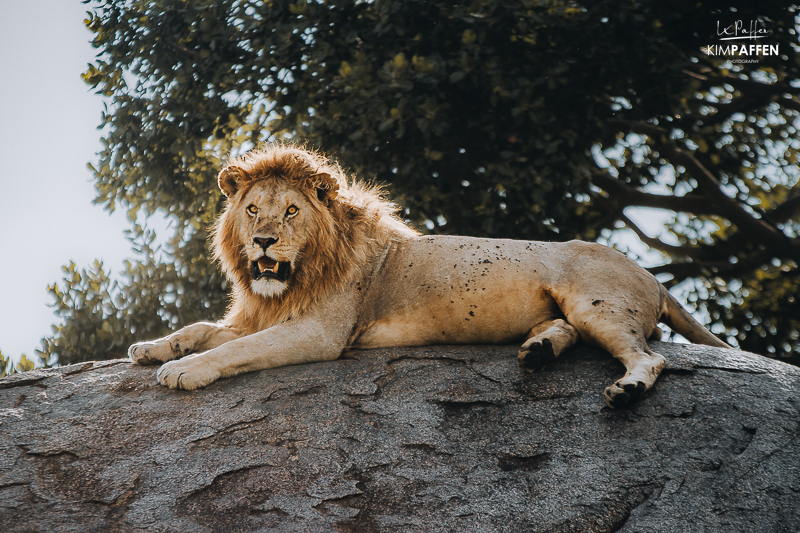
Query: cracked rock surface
[448,438]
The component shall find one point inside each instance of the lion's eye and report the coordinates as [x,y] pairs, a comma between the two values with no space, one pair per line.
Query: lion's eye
[252,209]
[291,211]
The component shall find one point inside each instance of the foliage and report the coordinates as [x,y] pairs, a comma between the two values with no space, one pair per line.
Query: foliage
[7,366]
[524,119]
[153,297]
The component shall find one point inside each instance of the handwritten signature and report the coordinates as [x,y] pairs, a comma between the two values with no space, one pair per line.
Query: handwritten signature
[737,30]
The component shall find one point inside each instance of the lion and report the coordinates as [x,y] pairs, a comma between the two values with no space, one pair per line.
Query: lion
[320,263]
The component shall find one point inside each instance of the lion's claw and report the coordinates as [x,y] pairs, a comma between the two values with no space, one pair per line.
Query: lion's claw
[188,374]
[150,353]
[140,354]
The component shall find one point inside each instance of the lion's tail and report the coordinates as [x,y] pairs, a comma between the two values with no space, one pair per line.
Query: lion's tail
[677,318]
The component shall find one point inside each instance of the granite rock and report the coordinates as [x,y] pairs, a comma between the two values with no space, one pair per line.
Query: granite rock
[446,438]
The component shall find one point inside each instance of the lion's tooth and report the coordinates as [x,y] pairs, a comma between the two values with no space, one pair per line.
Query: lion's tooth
[275,269]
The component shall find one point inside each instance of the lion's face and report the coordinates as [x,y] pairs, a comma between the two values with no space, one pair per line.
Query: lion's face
[273,222]
[279,234]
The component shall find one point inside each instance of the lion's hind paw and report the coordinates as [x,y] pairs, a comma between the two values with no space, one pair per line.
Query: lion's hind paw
[619,394]
[536,355]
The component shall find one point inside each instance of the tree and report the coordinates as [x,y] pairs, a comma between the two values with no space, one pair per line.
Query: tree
[534,120]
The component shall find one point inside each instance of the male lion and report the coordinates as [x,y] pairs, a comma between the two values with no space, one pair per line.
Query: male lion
[320,264]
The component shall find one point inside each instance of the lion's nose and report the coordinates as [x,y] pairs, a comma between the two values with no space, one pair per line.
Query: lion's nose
[264,242]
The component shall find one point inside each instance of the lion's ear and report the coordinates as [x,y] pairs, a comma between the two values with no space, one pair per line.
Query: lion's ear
[230,179]
[326,186]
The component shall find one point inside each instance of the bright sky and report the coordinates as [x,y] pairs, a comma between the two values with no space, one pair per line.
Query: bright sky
[48,133]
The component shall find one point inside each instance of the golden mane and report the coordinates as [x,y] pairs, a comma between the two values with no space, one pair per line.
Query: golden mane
[353,224]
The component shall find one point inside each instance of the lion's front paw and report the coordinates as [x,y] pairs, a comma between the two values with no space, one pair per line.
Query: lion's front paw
[188,374]
[149,353]
[536,355]
[160,351]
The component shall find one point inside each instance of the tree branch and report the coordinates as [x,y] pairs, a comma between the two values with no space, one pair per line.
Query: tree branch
[742,84]
[783,212]
[657,244]
[725,206]
[626,196]
[754,95]
[741,104]
[791,103]
[681,271]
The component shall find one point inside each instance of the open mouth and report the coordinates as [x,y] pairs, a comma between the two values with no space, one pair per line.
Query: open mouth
[269,268]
